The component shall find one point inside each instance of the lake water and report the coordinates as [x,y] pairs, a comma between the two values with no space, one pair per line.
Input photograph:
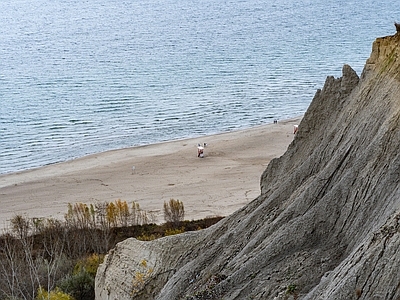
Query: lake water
[85,76]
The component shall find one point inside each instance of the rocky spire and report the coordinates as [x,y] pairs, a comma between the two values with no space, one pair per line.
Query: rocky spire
[397,26]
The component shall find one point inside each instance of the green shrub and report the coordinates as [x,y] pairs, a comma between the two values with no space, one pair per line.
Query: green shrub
[291,289]
[80,285]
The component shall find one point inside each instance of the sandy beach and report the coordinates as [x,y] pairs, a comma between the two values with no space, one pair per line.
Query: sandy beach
[224,180]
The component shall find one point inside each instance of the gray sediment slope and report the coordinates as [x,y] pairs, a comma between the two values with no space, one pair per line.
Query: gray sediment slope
[325,226]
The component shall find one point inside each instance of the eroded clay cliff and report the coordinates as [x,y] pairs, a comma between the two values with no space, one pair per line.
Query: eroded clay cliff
[327,222]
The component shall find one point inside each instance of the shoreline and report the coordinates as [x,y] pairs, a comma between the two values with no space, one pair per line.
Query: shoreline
[223,181]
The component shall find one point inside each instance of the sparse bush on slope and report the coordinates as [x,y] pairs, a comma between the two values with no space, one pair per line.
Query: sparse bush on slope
[58,260]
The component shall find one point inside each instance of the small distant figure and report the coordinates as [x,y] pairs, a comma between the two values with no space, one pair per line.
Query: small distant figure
[200,149]
[295,129]
[397,26]
[200,152]
[275,121]
[133,170]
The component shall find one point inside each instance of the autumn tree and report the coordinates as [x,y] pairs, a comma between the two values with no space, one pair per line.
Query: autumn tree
[174,211]
[80,216]
[122,212]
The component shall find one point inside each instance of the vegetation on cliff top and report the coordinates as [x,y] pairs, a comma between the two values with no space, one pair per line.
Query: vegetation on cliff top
[58,260]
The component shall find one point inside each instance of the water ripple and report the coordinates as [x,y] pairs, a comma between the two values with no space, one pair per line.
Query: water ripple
[78,77]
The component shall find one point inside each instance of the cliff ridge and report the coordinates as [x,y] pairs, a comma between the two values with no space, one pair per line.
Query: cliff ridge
[325,226]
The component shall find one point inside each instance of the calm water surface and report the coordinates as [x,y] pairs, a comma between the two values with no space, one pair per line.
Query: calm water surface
[79,77]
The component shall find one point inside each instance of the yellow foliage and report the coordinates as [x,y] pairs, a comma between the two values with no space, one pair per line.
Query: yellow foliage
[174,231]
[55,294]
[104,215]
[112,214]
[80,215]
[122,212]
[146,237]
[90,264]
[142,276]
[143,263]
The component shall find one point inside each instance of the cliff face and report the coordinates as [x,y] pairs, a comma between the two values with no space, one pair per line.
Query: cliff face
[327,222]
